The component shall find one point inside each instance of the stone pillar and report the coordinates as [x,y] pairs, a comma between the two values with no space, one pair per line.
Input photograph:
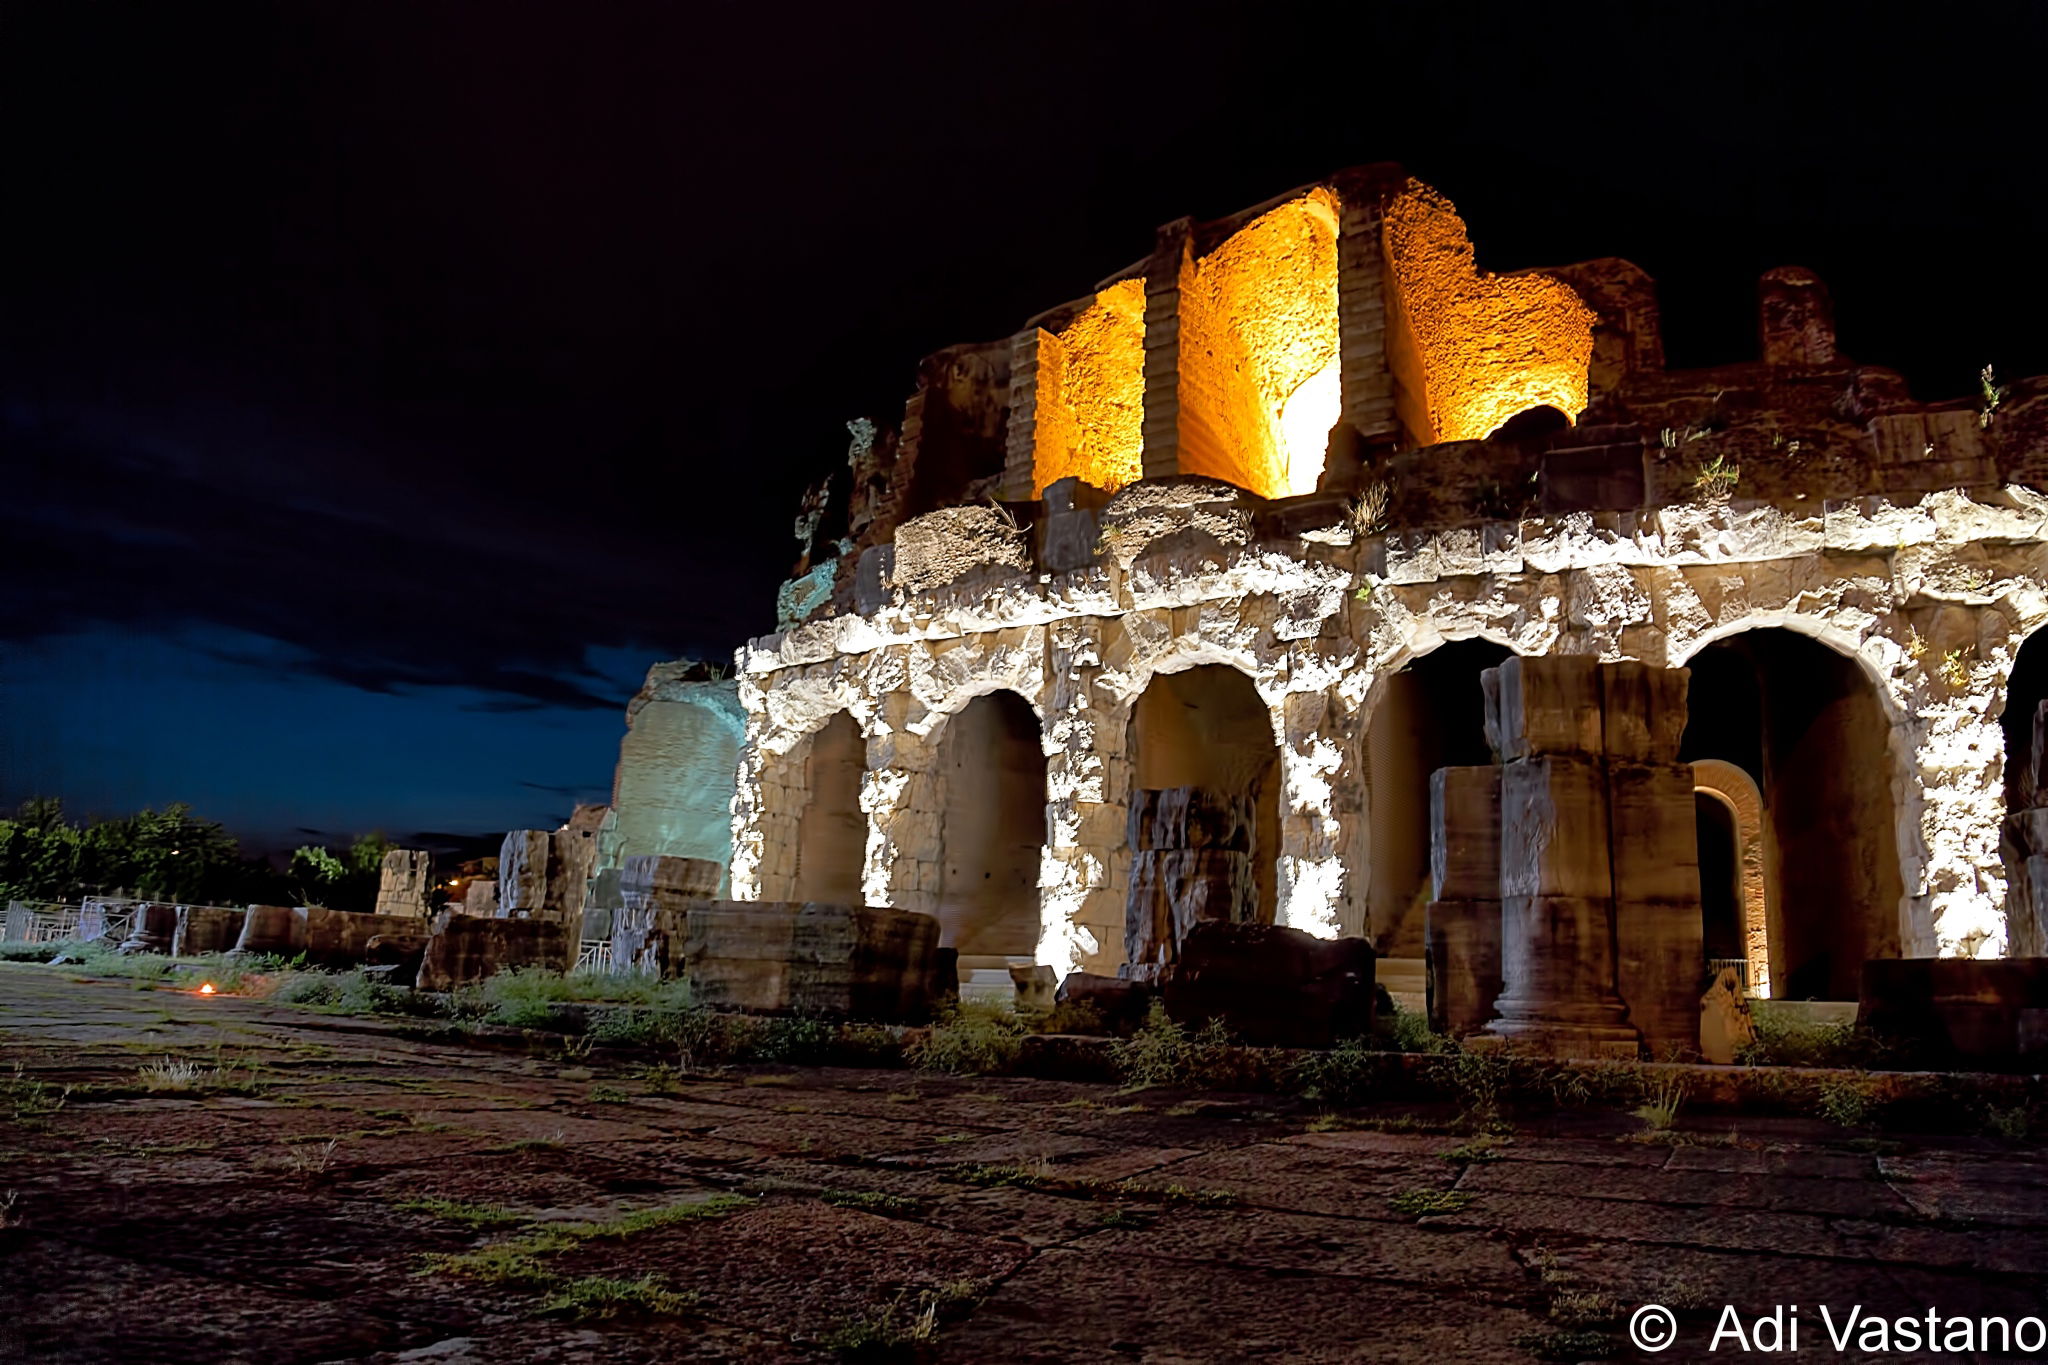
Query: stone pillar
[655,894]
[1795,318]
[1461,925]
[404,881]
[1190,862]
[1557,877]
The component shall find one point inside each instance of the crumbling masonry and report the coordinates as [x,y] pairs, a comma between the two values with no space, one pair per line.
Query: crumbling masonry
[1257,513]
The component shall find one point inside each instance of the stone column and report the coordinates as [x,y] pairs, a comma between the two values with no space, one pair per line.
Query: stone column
[1557,876]
[1190,862]
[1461,925]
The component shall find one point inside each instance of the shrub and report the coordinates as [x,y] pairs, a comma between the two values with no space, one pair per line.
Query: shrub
[1782,1040]
[1163,1053]
[1400,1030]
[1342,1075]
[972,1038]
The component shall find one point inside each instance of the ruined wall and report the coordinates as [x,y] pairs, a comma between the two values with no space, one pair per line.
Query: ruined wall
[1258,383]
[1088,394]
[1489,346]
[673,787]
[1927,595]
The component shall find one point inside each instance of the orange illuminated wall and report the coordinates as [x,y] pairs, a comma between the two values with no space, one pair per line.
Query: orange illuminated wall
[1258,379]
[1090,405]
[1480,347]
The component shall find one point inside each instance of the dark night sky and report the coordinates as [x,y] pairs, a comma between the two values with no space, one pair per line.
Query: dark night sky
[384,385]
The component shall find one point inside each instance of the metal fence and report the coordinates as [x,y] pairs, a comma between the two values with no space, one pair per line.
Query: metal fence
[1739,964]
[593,955]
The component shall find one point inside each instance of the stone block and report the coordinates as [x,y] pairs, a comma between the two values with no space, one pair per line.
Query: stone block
[1036,985]
[858,962]
[523,872]
[1554,828]
[1464,833]
[1655,841]
[1119,1003]
[1953,1011]
[405,880]
[341,938]
[1072,541]
[206,929]
[1272,986]
[466,949]
[272,929]
[1659,966]
[650,940]
[1174,889]
[1643,711]
[1462,953]
[1548,705]
[1190,817]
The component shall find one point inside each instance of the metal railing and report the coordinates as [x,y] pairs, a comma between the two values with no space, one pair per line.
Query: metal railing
[593,955]
[1739,964]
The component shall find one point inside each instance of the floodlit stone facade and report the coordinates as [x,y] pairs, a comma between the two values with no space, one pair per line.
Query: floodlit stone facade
[1297,606]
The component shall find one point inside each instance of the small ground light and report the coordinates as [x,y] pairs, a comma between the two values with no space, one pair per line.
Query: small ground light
[206,989]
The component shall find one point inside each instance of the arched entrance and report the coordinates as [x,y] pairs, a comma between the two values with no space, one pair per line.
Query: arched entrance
[1734,892]
[1431,714]
[2023,839]
[1208,727]
[832,831]
[1806,725]
[992,828]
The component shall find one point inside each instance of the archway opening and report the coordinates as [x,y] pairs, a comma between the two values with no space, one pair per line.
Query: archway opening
[992,830]
[1432,715]
[2025,690]
[1531,424]
[1208,727]
[832,832]
[1806,724]
[1720,880]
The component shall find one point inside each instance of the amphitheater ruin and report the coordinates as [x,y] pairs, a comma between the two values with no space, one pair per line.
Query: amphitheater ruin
[1256,514]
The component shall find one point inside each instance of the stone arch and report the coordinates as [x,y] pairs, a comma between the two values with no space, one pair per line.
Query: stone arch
[829,856]
[1208,725]
[1426,713]
[982,817]
[1737,790]
[1809,723]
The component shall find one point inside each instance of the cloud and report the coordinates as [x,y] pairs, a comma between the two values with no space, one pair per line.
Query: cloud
[321,576]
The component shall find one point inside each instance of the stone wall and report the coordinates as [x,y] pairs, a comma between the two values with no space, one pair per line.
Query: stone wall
[1928,595]
[673,787]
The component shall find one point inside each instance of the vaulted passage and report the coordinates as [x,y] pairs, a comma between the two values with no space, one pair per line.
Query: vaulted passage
[2023,841]
[1432,715]
[1207,727]
[1720,879]
[832,832]
[1806,724]
[992,762]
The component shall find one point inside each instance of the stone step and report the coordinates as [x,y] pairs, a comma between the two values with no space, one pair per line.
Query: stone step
[1406,980]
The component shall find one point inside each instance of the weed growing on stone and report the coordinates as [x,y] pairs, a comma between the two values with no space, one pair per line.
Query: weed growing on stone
[1583,1308]
[874,1201]
[1479,1081]
[1483,1148]
[2012,1124]
[595,1297]
[456,1211]
[1783,1041]
[25,1098]
[646,1220]
[1427,1203]
[1847,1103]
[1579,1344]
[309,1159]
[972,1038]
[1660,1110]
[608,1094]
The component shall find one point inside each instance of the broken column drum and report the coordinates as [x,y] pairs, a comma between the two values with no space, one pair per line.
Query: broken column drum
[1190,864]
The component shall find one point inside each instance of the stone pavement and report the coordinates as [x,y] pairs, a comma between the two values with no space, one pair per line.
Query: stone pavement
[279,1213]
